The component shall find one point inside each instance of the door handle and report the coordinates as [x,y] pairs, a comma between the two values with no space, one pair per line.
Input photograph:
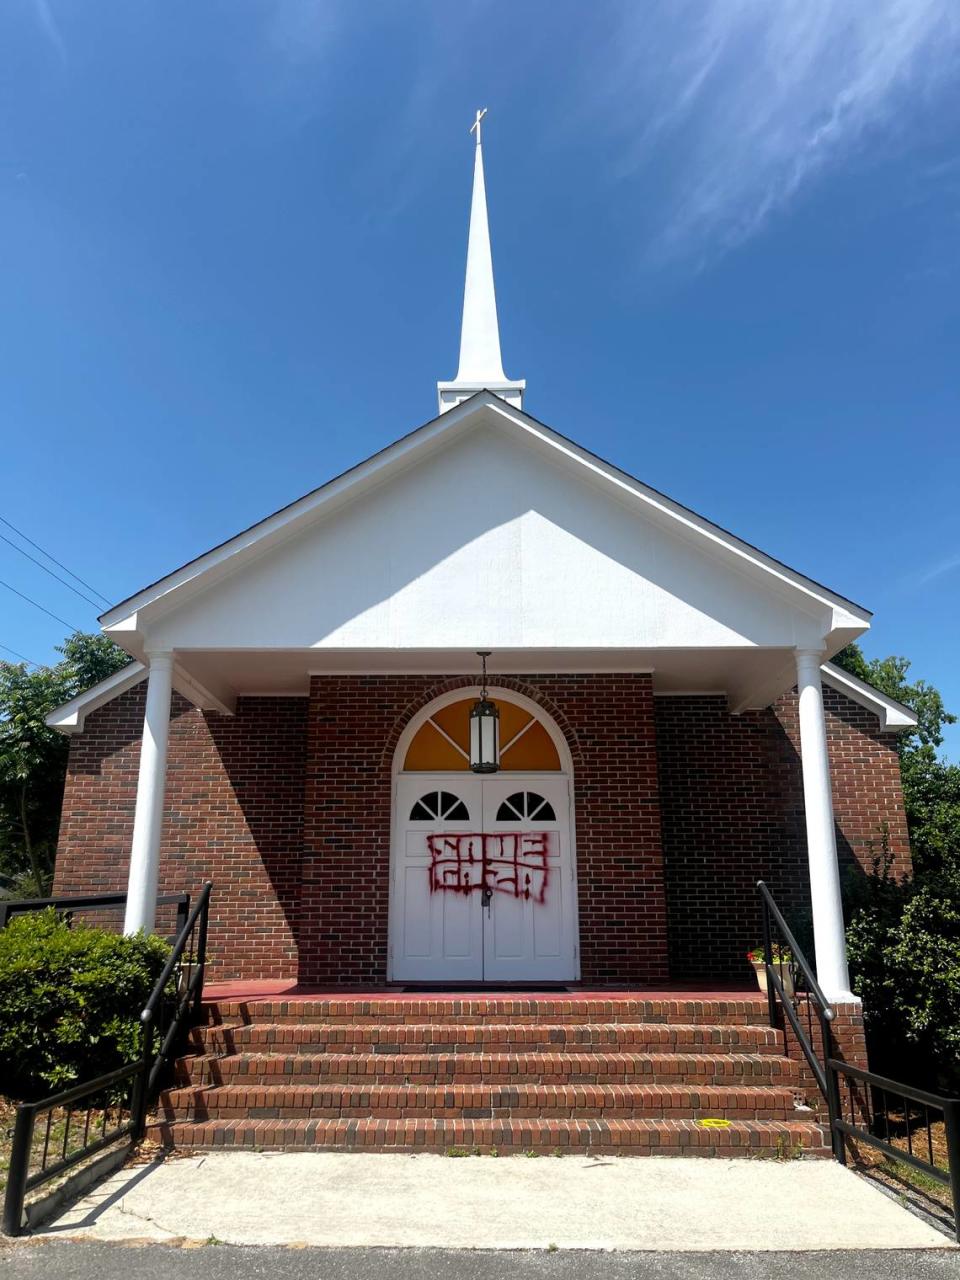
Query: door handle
[486,897]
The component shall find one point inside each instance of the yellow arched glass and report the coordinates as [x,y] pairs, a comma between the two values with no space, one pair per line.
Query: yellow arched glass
[443,742]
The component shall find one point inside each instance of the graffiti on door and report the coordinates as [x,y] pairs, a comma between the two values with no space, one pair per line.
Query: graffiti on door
[514,863]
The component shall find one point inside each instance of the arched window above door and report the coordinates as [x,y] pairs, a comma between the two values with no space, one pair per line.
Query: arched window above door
[442,742]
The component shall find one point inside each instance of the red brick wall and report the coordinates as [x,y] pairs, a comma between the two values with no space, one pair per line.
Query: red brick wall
[865,770]
[354,724]
[286,807]
[234,815]
[732,804]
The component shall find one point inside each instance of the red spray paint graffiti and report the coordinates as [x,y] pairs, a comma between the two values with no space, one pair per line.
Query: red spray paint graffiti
[511,863]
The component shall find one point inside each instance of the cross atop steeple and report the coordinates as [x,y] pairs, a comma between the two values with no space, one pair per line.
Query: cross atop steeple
[476,124]
[480,361]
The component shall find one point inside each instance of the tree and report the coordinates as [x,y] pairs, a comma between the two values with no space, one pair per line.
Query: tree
[903,939]
[33,757]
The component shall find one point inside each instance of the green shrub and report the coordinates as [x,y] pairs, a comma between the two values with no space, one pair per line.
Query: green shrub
[70,999]
[903,944]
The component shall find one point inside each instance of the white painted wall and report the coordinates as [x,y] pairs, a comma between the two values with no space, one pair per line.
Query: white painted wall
[487,543]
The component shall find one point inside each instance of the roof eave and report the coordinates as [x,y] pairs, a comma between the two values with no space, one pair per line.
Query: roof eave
[894,716]
[70,716]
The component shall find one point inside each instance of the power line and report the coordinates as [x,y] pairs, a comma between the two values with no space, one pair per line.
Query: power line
[59,565]
[41,565]
[55,617]
[22,656]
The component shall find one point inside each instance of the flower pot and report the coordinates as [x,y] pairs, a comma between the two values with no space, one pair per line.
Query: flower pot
[784,973]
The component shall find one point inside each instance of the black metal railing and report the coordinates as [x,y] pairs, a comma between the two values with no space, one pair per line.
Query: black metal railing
[877,1102]
[788,975]
[164,1019]
[87,1119]
[38,1158]
[100,902]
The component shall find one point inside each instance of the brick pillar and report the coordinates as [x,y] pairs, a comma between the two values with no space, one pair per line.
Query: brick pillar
[848,1045]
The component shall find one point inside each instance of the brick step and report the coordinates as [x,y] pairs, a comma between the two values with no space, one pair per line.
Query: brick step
[477,1102]
[749,1138]
[742,1010]
[489,1068]
[488,1037]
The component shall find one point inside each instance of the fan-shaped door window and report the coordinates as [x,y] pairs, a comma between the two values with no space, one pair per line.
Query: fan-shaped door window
[439,806]
[442,742]
[524,806]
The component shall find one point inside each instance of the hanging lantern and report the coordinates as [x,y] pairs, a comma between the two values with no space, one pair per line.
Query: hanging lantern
[484,728]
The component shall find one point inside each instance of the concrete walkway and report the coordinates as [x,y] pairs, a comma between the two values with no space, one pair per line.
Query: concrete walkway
[576,1202]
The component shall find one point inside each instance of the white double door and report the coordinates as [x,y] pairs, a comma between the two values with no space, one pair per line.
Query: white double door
[482,879]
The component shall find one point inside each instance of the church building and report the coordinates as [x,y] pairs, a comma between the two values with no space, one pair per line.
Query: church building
[484,712]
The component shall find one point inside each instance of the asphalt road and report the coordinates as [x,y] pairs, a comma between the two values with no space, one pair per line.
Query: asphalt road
[95,1261]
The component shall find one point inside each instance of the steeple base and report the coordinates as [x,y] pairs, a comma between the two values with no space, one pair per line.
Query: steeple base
[450,394]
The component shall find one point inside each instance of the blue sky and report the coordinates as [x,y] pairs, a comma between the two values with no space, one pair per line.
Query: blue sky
[726,236]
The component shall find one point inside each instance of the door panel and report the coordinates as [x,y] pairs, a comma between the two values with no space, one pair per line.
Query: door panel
[482,885]
[436,934]
[528,923]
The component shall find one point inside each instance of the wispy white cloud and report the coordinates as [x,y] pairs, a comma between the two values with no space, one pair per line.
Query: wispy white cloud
[736,105]
[938,570]
[49,26]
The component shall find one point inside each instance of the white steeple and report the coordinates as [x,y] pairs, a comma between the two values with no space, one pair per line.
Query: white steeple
[480,360]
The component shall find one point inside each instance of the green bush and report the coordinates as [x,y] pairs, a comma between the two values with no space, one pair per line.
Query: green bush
[70,998]
[903,943]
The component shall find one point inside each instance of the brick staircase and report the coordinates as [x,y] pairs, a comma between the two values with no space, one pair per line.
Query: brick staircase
[549,1073]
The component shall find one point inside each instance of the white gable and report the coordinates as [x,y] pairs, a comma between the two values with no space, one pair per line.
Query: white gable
[490,543]
[484,529]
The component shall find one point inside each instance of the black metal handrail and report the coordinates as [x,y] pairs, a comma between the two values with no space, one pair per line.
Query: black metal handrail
[143,1077]
[92,902]
[816,1004]
[829,1071]
[189,992]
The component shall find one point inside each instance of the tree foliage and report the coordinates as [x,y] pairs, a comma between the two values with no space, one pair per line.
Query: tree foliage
[903,944]
[33,757]
[903,938]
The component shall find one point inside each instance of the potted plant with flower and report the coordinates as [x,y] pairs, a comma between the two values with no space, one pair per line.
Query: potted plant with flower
[782,962]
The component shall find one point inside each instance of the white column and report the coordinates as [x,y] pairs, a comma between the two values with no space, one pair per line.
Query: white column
[148,816]
[829,944]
